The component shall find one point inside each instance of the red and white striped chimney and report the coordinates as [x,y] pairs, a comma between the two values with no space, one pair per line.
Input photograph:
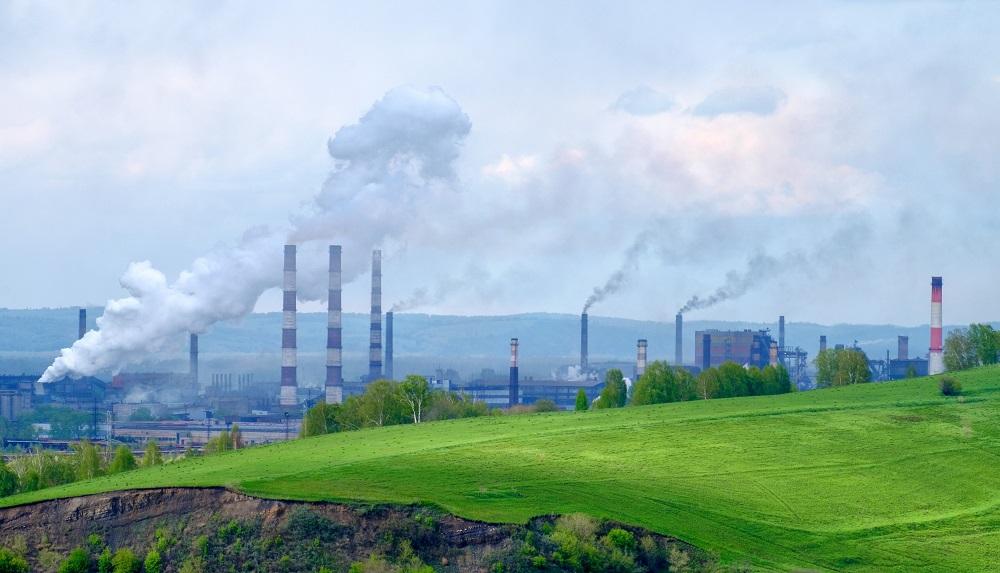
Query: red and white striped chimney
[334,331]
[289,359]
[936,362]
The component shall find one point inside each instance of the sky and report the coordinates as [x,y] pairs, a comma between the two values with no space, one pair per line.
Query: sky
[820,160]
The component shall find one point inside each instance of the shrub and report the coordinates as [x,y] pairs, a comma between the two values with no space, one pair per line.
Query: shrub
[620,539]
[153,562]
[950,387]
[125,561]
[77,562]
[11,562]
[104,562]
[546,406]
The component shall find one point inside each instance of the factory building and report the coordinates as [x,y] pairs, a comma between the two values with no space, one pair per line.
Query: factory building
[15,395]
[712,348]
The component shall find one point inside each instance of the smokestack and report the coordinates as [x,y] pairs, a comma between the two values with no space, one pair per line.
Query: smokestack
[936,363]
[903,348]
[289,380]
[640,358]
[781,332]
[83,324]
[513,399]
[679,340]
[822,342]
[706,351]
[584,355]
[388,345]
[773,353]
[334,332]
[193,359]
[375,347]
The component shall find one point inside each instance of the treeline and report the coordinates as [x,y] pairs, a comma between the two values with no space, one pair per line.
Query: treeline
[389,403]
[841,367]
[662,383]
[977,345]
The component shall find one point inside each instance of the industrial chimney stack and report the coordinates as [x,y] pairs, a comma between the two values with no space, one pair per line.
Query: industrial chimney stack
[679,340]
[289,380]
[375,347]
[936,363]
[388,345]
[82,329]
[822,342]
[781,332]
[640,358]
[706,351]
[193,359]
[903,348]
[584,354]
[773,354]
[334,332]
[513,388]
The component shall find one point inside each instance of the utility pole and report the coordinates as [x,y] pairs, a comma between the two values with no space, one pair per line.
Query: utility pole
[286,426]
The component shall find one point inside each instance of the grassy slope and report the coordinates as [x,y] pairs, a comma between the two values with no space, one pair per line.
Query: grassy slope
[887,477]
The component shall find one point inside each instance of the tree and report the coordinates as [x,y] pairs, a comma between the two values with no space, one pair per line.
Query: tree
[78,561]
[546,406]
[236,437]
[959,351]
[656,385]
[708,384]
[775,380]
[581,401]
[88,460]
[104,564]
[447,406]
[414,392]
[314,422]
[153,562]
[125,561]
[123,460]
[615,392]
[8,481]
[841,367]
[152,456]
[11,562]
[986,342]
[380,404]
[733,380]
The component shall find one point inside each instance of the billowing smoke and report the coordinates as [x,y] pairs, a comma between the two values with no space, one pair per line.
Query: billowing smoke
[620,277]
[759,268]
[398,156]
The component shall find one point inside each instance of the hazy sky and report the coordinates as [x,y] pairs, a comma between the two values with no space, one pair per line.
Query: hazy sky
[845,151]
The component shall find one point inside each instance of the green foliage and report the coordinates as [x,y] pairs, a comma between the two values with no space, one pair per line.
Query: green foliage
[620,539]
[223,442]
[123,461]
[841,367]
[414,393]
[545,406]
[153,562]
[42,469]
[141,415]
[201,545]
[615,392]
[125,561]
[314,423]
[152,456]
[78,561]
[11,562]
[582,404]
[949,386]
[88,460]
[104,562]
[662,383]
[65,423]
[8,479]
[977,345]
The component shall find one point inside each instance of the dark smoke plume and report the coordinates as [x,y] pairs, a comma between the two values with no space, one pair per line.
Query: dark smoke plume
[620,277]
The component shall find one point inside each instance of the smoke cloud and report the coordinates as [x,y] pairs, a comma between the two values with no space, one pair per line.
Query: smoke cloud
[620,277]
[399,155]
[759,268]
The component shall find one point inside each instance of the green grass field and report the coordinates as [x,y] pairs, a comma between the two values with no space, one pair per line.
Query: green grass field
[878,477]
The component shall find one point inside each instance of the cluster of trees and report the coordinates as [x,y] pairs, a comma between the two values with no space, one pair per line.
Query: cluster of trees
[388,403]
[978,345]
[41,469]
[662,383]
[841,367]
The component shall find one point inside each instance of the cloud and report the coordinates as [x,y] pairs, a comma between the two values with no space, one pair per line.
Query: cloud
[643,100]
[756,100]
[514,170]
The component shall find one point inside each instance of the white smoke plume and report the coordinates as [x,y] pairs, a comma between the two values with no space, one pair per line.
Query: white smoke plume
[397,157]
[620,277]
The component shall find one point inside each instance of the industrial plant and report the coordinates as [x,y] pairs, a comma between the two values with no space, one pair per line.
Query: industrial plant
[185,409]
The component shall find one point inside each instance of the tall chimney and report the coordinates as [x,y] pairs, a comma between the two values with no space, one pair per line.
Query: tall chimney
[781,332]
[82,329]
[936,363]
[773,354]
[193,359]
[334,332]
[584,354]
[514,397]
[822,342]
[679,340]
[375,347]
[388,345]
[289,380]
[640,358]
[903,348]
[706,351]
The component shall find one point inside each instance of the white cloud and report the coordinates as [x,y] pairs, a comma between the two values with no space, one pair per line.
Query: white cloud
[643,100]
[757,100]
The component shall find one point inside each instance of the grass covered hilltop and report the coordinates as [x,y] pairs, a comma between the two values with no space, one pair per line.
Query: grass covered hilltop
[873,477]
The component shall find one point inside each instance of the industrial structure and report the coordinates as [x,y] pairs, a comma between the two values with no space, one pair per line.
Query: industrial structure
[936,358]
[640,358]
[289,353]
[713,348]
[513,393]
[679,339]
[334,332]
[584,343]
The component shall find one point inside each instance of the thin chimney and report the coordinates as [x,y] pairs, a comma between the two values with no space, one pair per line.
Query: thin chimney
[375,346]
[936,362]
[82,329]
[289,358]
[679,340]
[193,358]
[640,358]
[334,332]
[822,342]
[903,348]
[584,352]
[513,390]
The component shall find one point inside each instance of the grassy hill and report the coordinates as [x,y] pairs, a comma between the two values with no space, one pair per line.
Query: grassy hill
[880,477]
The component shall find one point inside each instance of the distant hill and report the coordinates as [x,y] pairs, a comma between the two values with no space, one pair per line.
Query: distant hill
[29,339]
